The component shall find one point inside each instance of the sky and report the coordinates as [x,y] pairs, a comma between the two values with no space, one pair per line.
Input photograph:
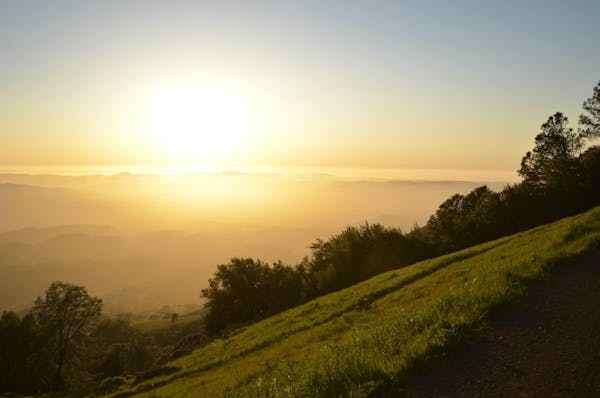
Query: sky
[377,84]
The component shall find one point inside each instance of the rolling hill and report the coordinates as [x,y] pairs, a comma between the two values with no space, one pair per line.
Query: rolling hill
[364,339]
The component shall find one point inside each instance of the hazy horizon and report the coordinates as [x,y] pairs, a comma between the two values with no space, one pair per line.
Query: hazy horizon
[348,173]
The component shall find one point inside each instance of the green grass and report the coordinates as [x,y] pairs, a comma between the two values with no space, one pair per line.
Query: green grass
[373,335]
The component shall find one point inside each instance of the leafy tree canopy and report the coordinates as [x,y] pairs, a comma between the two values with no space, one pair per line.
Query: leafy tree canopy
[65,311]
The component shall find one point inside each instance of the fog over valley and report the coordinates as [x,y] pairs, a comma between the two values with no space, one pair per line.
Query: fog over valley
[143,241]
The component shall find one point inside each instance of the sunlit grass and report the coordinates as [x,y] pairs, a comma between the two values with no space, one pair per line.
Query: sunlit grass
[373,335]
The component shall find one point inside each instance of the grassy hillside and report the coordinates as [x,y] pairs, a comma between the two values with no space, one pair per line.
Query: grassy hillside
[372,335]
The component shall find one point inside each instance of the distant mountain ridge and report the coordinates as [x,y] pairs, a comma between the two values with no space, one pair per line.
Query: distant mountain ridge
[38,234]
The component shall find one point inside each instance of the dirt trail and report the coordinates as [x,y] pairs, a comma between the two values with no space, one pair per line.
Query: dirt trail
[548,346]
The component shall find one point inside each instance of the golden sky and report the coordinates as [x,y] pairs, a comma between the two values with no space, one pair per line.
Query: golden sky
[335,84]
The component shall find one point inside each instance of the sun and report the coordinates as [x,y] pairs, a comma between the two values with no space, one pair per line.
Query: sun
[199,123]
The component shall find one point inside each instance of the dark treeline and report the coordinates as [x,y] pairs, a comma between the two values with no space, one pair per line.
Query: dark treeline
[561,177]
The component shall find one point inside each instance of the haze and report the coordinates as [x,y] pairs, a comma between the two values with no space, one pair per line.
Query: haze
[159,237]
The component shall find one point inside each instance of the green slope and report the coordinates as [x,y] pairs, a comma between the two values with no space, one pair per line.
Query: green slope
[372,335]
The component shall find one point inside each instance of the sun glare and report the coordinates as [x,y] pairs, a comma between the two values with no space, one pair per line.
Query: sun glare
[199,123]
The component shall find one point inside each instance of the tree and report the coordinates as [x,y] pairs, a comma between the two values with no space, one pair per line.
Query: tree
[247,290]
[589,121]
[24,355]
[590,162]
[553,161]
[65,311]
[355,254]
[236,293]
[462,220]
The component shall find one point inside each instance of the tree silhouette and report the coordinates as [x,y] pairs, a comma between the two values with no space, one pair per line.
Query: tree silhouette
[65,310]
[236,292]
[589,121]
[463,220]
[355,254]
[554,158]
[24,355]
